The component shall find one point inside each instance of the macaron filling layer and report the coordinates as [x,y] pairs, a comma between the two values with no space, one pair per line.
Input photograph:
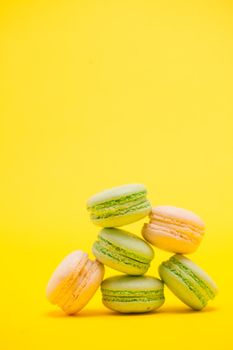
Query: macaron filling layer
[117,201]
[119,254]
[194,276]
[75,283]
[106,245]
[135,299]
[80,284]
[127,295]
[179,232]
[155,217]
[120,209]
[73,290]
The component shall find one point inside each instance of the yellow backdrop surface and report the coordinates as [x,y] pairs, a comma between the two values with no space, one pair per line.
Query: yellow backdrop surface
[95,94]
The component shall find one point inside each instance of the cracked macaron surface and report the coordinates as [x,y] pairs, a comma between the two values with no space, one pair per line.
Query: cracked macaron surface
[188,281]
[123,251]
[119,205]
[174,229]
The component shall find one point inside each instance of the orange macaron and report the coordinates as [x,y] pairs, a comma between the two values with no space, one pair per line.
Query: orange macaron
[174,229]
[74,282]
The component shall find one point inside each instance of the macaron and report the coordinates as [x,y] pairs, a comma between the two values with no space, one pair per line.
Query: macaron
[174,229]
[188,281]
[132,294]
[74,282]
[119,206]
[123,251]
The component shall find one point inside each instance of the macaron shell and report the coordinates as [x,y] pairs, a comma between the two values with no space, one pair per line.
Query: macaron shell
[121,220]
[180,214]
[121,283]
[115,193]
[138,306]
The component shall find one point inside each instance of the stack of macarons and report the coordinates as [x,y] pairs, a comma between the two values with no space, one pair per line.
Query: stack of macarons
[172,229]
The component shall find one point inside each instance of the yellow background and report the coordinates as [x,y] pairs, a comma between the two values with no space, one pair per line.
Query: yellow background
[96,94]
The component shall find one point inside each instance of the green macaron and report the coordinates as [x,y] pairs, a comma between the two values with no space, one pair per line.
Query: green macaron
[119,206]
[123,251]
[188,281]
[132,294]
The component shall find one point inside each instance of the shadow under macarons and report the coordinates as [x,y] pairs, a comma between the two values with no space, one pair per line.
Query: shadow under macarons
[170,310]
[81,314]
[175,310]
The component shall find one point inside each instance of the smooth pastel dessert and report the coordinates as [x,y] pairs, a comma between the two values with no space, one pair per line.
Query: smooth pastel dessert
[74,282]
[132,294]
[119,206]
[123,251]
[174,229]
[188,281]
